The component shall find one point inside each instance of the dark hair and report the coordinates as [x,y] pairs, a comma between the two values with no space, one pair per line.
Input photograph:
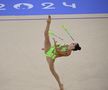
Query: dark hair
[77,47]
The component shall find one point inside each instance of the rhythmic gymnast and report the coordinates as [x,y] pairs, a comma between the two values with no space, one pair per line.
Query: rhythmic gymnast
[54,51]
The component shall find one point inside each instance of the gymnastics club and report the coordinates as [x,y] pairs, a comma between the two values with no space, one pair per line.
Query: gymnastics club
[53,34]
[67,32]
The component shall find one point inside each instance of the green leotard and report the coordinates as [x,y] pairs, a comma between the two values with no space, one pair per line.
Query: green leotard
[52,51]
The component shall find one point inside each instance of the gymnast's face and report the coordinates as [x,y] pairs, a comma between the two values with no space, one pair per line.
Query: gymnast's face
[72,46]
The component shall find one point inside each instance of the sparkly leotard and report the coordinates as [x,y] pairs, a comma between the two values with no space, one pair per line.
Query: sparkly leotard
[52,51]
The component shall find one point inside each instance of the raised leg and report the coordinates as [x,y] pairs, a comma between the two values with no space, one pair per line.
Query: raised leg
[47,43]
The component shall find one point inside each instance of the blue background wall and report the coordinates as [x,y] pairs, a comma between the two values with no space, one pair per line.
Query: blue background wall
[45,7]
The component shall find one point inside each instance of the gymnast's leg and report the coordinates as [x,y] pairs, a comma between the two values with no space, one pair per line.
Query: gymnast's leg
[47,45]
[51,66]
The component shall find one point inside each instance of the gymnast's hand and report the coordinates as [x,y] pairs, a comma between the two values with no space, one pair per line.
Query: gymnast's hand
[49,19]
[54,40]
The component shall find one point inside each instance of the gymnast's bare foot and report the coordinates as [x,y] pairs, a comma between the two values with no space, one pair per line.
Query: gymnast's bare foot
[61,87]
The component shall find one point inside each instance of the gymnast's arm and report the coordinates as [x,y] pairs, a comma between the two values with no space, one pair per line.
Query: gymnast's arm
[58,50]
